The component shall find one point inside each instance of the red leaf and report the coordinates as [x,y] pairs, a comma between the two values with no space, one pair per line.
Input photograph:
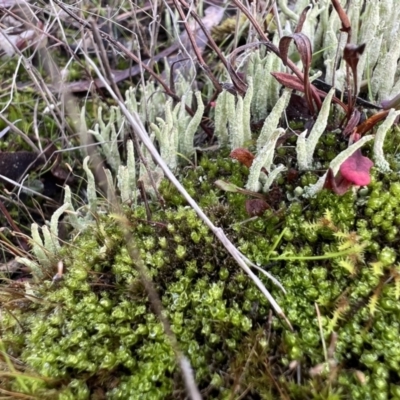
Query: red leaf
[289,81]
[356,169]
[244,156]
[303,45]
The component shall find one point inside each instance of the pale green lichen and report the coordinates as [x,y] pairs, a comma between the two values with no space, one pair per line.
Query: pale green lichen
[306,146]
[91,186]
[221,119]
[236,125]
[265,87]
[232,118]
[107,135]
[175,133]
[263,159]
[271,122]
[246,119]
[273,174]
[54,221]
[186,134]
[379,157]
[374,23]
[72,215]
[126,178]
[38,247]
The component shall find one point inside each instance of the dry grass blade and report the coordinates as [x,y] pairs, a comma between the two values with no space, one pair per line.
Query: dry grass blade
[136,124]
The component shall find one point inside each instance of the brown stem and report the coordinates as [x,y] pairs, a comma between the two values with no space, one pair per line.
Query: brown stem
[196,49]
[239,84]
[104,59]
[270,46]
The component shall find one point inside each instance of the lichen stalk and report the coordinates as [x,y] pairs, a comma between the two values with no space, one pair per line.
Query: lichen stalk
[379,157]
[264,159]
[317,130]
[188,134]
[91,186]
[271,122]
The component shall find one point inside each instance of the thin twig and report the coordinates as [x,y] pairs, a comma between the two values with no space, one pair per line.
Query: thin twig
[126,51]
[27,189]
[239,84]
[137,125]
[18,131]
[200,59]
[104,59]
[270,46]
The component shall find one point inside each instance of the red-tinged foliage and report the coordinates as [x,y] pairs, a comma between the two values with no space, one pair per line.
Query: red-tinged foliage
[392,103]
[356,169]
[303,45]
[244,156]
[352,122]
[346,25]
[256,207]
[293,82]
[351,55]
[338,184]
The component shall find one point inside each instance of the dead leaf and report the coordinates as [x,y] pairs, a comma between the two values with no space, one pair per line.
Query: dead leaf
[9,42]
[256,207]
[244,156]
[213,16]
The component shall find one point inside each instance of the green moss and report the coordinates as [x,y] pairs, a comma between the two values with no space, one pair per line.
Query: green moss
[95,328]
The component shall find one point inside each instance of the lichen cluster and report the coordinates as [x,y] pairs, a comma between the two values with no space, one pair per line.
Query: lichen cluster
[94,333]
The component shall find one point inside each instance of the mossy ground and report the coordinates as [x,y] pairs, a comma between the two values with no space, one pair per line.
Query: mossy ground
[93,334]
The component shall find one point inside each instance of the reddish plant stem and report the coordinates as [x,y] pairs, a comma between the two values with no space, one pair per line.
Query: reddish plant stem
[275,50]
[239,84]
